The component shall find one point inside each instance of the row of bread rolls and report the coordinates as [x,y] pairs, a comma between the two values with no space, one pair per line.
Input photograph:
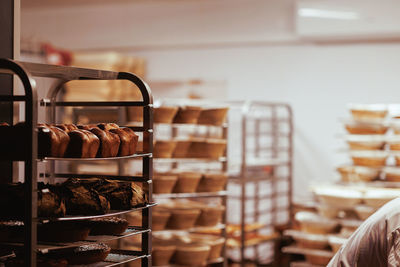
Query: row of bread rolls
[190,114]
[76,141]
[188,182]
[73,197]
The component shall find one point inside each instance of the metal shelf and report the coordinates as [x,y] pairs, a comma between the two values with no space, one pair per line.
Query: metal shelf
[302,264]
[194,229]
[25,71]
[46,247]
[83,217]
[182,125]
[307,251]
[117,257]
[191,195]
[189,160]
[140,155]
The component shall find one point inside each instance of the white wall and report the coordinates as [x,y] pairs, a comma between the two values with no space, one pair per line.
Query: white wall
[317,80]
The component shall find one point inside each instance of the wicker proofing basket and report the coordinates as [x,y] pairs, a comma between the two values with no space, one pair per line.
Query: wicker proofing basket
[216,244]
[366,129]
[210,215]
[192,255]
[160,219]
[187,182]
[213,116]
[164,149]
[211,148]
[182,219]
[181,149]
[188,114]
[164,114]
[357,173]
[162,255]
[163,184]
[212,182]
[369,114]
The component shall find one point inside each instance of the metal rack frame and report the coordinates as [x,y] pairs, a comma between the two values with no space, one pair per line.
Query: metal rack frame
[273,161]
[25,71]
[221,194]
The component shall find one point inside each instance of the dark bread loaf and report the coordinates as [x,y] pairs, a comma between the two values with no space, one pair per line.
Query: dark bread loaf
[50,203]
[81,200]
[128,140]
[107,226]
[85,254]
[122,195]
[109,143]
[82,144]
[52,141]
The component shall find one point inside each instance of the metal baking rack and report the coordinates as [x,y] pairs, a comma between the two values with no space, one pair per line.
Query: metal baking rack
[261,160]
[25,72]
[203,164]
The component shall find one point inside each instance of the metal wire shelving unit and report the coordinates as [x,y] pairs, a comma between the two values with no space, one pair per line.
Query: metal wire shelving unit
[198,164]
[260,180]
[25,72]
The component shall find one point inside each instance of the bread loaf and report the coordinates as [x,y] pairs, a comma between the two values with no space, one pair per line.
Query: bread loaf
[52,141]
[82,144]
[128,141]
[81,200]
[109,143]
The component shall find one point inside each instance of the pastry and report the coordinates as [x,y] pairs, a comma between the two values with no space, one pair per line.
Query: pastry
[83,144]
[107,226]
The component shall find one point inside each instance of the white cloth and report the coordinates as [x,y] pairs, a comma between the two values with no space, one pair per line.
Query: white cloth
[376,243]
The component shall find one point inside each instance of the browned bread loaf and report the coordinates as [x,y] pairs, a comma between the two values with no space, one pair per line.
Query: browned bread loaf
[67,127]
[109,143]
[128,140]
[108,226]
[82,200]
[82,144]
[107,126]
[86,126]
[52,141]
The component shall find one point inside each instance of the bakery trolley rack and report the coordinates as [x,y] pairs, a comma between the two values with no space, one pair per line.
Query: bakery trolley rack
[202,164]
[25,72]
[260,180]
